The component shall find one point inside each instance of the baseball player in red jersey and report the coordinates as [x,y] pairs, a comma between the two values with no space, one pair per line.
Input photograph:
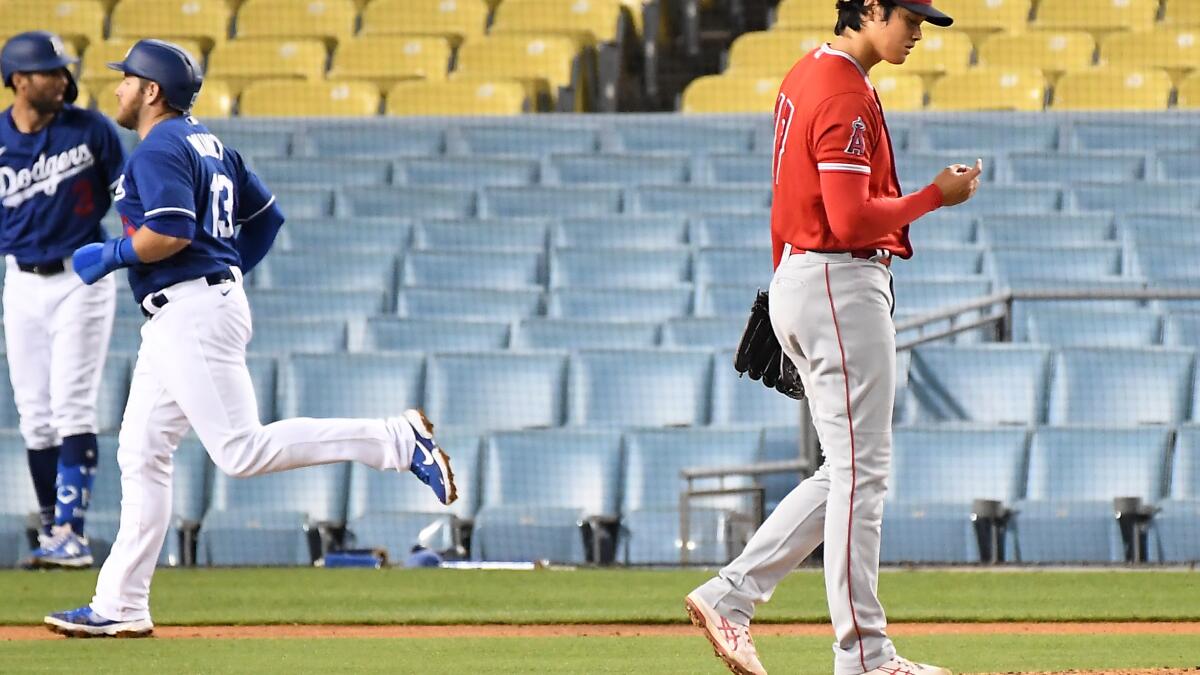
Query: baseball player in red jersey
[837,220]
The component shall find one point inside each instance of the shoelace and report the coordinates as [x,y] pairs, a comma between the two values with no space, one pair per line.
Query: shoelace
[58,537]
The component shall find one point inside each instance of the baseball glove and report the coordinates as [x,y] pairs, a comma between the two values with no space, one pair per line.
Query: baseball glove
[760,356]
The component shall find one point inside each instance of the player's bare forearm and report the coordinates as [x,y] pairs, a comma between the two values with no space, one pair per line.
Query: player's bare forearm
[152,246]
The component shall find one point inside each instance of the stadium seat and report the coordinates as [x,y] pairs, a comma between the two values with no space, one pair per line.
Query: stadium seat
[582,334]
[1096,16]
[772,53]
[533,201]
[730,94]
[944,385]
[1076,263]
[94,70]
[323,171]
[1138,137]
[549,66]
[382,142]
[919,168]
[1120,386]
[329,20]
[780,444]
[17,498]
[203,20]
[950,262]
[1177,522]
[1183,14]
[622,388]
[730,230]
[699,199]
[309,99]
[256,144]
[936,475]
[1158,229]
[628,170]
[1181,330]
[990,89]
[723,169]
[415,202]
[700,332]
[264,377]
[941,52]
[1074,168]
[467,171]
[114,390]
[526,140]
[1074,474]
[456,20]
[1175,50]
[988,135]
[346,271]
[480,234]
[650,495]
[1082,328]
[386,60]
[1178,166]
[468,303]
[496,390]
[305,202]
[619,268]
[240,62]
[265,520]
[1049,51]
[725,300]
[682,136]
[318,304]
[286,336]
[916,297]
[803,15]
[215,100]
[360,234]
[428,335]
[80,22]
[1021,308]
[1137,196]
[943,229]
[992,16]
[900,92]
[474,269]
[733,266]
[389,510]
[1030,199]
[1113,89]
[740,401]
[616,232]
[351,385]
[1055,230]
[578,479]
[495,97]
[587,23]
[627,304]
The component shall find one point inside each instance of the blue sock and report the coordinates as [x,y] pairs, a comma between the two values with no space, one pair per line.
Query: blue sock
[43,468]
[76,470]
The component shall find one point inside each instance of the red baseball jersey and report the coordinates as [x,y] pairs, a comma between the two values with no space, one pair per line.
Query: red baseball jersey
[828,118]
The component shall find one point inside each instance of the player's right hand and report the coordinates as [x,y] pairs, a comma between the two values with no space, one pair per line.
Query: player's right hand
[958,182]
[93,261]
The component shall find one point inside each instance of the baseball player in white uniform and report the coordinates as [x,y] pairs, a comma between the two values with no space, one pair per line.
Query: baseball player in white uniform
[58,163]
[182,197]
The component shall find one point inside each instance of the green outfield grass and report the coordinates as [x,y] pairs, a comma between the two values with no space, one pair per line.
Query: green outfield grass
[229,596]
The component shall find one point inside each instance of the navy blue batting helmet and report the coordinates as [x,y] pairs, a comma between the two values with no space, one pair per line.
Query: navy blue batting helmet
[37,51]
[171,66]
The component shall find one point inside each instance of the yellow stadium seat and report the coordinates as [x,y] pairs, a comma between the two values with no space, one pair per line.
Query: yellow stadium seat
[900,92]
[78,21]
[94,66]
[1182,14]
[1113,89]
[772,52]
[805,14]
[243,61]
[987,16]
[1096,16]
[587,21]
[1052,52]
[990,89]
[730,94]
[329,20]
[457,98]
[1174,49]
[289,98]
[215,99]
[457,20]
[203,20]
[546,64]
[6,97]
[940,52]
[387,60]
[1189,92]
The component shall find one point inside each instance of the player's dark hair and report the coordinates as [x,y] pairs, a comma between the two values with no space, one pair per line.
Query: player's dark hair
[852,12]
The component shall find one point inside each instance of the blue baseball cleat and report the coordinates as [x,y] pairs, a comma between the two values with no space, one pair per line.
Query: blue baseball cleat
[63,548]
[83,622]
[430,463]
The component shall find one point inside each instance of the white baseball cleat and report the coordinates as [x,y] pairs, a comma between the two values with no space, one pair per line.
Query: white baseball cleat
[902,666]
[731,641]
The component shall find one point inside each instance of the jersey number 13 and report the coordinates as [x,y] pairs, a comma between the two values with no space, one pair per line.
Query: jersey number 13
[222,206]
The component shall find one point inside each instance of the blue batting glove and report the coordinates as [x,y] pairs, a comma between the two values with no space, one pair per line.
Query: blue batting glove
[92,262]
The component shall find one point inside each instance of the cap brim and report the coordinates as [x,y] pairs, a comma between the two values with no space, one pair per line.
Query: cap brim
[118,66]
[931,13]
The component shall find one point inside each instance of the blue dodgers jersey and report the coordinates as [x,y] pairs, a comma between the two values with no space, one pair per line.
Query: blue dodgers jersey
[55,184]
[182,181]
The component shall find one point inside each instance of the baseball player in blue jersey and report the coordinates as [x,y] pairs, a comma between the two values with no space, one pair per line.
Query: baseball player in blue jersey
[195,219]
[57,165]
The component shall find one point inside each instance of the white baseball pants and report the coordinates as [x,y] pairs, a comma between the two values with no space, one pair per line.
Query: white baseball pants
[832,314]
[57,330]
[191,372]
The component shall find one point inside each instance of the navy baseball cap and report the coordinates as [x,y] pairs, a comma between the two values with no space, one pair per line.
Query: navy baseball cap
[926,9]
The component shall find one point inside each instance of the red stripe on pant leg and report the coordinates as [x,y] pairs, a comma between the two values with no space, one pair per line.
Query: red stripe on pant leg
[853,469]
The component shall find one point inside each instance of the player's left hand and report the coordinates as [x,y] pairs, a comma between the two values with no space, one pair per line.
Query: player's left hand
[92,262]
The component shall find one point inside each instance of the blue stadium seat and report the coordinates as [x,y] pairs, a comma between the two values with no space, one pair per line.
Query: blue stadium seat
[917,297]
[619,268]
[624,388]
[114,392]
[779,444]
[346,271]
[467,171]
[733,169]
[734,266]
[317,303]
[740,401]
[726,300]
[528,516]
[1014,199]
[257,145]
[1121,386]
[1059,230]
[1076,168]
[1021,308]
[581,334]
[480,235]
[496,390]
[1138,196]
[468,303]
[17,498]
[427,335]
[936,475]
[265,520]
[495,270]
[264,378]
[414,202]
[953,262]
[628,232]
[946,384]
[628,170]
[386,142]
[1166,261]
[975,135]
[942,228]
[1177,524]
[681,137]
[353,234]
[285,336]
[1180,165]
[126,336]
[1084,328]
[1054,264]
[716,332]
[390,510]
[1171,229]
[526,140]
[919,169]
[324,173]
[1181,330]
[351,385]
[512,202]
[731,230]
[1135,136]
[698,199]
[651,487]
[1074,474]
[620,304]
[306,202]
